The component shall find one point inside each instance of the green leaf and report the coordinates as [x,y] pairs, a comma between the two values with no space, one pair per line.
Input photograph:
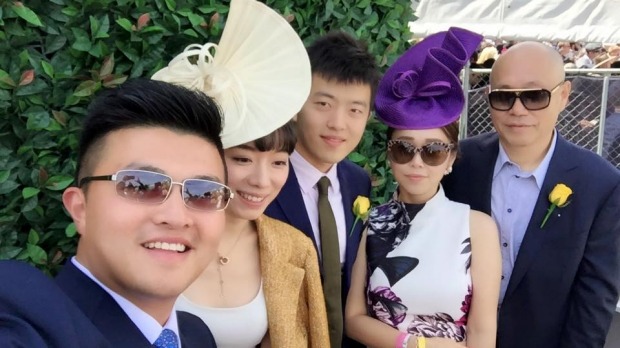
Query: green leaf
[82,41]
[4,175]
[36,254]
[30,204]
[70,11]
[171,4]
[48,68]
[190,32]
[124,23]
[70,230]
[5,95]
[356,157]
[54,42]
[8,186]
[28,192]
[195,19]
[38,118]
[26,14]
[5,80]
[99,28]
[36,87]
[33,237]
[86,88]
[9,252]
[58,182]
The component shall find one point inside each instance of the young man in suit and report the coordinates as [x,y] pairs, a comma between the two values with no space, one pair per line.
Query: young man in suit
[330,125]
[148,206]
[561,264]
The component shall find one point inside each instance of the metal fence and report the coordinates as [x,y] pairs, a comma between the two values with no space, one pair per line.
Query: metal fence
[591,118]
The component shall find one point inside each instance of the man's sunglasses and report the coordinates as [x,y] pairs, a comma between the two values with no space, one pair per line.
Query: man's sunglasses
[154,188]
[433,154]
[532,98]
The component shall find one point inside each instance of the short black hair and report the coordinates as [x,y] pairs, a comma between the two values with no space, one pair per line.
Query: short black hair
[147,103]
[282,139]
[341,57]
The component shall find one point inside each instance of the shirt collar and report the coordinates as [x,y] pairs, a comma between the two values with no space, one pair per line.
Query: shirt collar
[539,173]
[149,327]
[308,175]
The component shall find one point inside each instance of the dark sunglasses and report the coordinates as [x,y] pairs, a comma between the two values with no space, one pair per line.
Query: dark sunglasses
[433,154]
[154,188]
[532,98]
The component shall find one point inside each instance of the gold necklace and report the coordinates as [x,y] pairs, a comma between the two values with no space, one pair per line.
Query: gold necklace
[223,260]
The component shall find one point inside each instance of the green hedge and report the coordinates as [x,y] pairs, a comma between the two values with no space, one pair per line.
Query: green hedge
[56,54]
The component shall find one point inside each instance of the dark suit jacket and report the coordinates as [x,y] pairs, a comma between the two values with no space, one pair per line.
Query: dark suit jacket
[112,321]
[289,207]
[35,313]
[564,285]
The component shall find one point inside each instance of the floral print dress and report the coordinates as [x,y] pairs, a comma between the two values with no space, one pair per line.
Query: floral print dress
[419,280]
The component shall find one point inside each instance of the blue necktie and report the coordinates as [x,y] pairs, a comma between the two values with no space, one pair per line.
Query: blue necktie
[167,339]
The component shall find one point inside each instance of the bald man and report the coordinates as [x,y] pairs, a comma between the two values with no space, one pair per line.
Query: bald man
[561,266]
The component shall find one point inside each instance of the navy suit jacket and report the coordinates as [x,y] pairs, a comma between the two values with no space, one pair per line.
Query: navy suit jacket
[114,323]
[35,313]
[289,207]
[564,286]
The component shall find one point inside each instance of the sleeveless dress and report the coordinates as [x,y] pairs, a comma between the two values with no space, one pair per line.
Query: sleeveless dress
[237,327]
[419,280]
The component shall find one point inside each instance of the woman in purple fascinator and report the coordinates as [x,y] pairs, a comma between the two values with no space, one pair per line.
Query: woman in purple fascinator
[427,274]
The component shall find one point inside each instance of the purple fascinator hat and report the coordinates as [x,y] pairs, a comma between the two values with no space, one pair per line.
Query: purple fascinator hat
[422,90]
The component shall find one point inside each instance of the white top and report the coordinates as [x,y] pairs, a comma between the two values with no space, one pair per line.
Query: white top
[308,177]
[150,328]
[238,327]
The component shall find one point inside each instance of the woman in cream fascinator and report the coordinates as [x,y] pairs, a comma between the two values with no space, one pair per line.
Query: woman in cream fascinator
[264,288]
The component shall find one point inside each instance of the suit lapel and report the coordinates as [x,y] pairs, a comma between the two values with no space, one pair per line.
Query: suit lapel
[100,308]
[352,237]
[347,198]
[292,204]
[535,236]
[482,168]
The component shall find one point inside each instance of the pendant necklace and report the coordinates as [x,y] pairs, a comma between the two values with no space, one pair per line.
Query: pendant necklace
[223,261]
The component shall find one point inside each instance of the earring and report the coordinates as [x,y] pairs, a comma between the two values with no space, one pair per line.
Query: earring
[448,171]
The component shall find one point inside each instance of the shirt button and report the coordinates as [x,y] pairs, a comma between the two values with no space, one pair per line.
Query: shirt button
[510,210]
[504,244]
[502,277]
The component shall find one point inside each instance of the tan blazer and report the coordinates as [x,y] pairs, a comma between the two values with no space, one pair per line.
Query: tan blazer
[292,286]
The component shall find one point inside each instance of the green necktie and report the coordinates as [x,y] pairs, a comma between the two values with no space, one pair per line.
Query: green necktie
[330,261]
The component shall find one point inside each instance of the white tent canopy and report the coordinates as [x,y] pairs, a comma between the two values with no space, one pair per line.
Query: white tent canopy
[541,20]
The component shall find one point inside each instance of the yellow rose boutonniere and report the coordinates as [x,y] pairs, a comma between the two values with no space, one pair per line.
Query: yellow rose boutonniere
[559,198]
[361,206]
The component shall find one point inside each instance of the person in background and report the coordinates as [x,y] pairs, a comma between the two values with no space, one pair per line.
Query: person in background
[592,50]
[264,288]
[428,269]
[558,225]
[330,125]
[149,207]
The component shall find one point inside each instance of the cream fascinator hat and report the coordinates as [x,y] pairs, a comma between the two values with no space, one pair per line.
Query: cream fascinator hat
[259,72]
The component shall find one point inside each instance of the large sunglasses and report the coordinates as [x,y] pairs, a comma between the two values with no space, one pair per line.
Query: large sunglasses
[433,154]
[532,98]
[154,188]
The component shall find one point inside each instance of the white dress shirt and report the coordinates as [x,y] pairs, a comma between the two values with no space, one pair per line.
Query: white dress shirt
[308,176]
[150,328]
